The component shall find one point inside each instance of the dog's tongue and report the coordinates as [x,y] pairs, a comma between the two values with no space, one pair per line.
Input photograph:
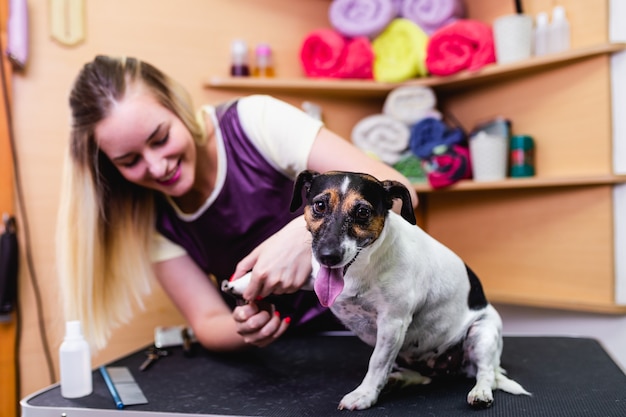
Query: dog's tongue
[328,284]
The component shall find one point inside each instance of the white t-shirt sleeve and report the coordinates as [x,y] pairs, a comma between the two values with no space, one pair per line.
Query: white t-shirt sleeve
[282,132]
[164,249]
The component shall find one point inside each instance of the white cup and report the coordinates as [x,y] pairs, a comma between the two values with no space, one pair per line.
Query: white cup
[489,153]
[513,37]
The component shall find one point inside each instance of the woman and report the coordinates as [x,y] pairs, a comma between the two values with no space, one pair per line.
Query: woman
[216,184]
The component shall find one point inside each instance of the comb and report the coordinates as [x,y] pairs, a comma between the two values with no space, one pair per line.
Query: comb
[122,386]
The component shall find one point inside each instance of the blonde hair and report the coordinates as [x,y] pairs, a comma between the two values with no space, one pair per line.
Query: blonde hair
[105,223]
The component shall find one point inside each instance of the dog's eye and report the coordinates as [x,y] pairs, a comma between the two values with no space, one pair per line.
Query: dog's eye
[363,213]
[319,207]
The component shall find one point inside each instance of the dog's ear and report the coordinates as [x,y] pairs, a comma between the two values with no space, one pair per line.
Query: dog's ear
[395,190]
[303,181]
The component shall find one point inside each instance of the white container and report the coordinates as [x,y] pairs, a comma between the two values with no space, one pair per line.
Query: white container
[489,154]
[513,37]
[542,34]
[559,30]
[75,363]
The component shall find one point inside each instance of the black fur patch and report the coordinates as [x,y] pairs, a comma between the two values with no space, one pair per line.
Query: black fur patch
[476,298]
[449,363]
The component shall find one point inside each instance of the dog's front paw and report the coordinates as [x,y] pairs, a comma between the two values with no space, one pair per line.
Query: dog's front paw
[359,399]
[480,397]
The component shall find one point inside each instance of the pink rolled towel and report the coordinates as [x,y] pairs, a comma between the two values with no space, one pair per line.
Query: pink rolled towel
[354,18]
[431,15]
[463,44]
[325,53]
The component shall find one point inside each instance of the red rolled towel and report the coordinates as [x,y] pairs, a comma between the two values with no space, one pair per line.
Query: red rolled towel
[358,61]
[464,44]
[326,53]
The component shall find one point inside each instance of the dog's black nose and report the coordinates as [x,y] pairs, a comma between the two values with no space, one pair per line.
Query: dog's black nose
[329,257]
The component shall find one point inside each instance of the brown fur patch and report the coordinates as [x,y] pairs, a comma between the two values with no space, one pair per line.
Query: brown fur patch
[332,199]
[362,232]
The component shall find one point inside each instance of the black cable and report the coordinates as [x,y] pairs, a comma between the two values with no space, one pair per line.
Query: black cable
[26,234]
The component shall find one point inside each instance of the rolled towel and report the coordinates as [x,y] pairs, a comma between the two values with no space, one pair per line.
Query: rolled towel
[449,167]
[354,18]
[358,61]
[382,136]
[322,52]
[400,52]
[397,6]
[431,15]
[410,166]
[431,136]
[327,53]
[410,104]
[463,44]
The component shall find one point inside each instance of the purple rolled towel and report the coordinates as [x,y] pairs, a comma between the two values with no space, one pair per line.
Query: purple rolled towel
[354,18]
[397,5]
[431,15]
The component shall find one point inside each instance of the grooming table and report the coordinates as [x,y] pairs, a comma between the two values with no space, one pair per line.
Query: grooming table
[307,376]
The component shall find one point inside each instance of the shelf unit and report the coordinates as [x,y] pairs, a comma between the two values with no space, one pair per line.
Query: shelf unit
[465,79]
[373,89]
[522,183]
[527,238]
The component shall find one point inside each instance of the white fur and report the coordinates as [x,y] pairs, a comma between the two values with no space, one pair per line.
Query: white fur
[407,295]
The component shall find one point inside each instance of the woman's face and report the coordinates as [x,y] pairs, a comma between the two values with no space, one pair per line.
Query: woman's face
[149,145]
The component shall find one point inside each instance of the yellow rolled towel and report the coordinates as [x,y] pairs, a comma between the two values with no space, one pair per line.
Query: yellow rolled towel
[400,52]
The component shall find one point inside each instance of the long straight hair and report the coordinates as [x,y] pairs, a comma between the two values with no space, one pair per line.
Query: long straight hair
[105,223]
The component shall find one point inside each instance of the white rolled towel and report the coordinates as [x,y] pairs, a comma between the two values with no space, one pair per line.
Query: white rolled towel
[410,104]
[382,136]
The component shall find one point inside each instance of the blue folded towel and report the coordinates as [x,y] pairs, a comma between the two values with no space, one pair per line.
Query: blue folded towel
[429,134]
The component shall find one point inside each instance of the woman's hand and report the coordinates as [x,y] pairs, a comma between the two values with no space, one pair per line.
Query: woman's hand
[259,327]
[279,265]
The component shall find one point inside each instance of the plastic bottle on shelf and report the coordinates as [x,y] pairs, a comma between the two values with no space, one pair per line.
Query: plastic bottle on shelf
[75,362]
[263,66]
[239,59]
[559,30]
[542,32]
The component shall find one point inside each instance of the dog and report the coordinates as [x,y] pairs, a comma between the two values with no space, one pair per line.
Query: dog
[398,289]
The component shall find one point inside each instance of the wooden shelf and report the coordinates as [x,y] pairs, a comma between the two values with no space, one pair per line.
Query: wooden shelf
[528,182]
[373,89]
[507,298]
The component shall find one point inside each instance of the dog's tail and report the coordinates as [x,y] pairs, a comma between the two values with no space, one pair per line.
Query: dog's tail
[507,384]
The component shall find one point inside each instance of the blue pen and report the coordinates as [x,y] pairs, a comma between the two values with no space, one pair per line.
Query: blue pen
[116,396]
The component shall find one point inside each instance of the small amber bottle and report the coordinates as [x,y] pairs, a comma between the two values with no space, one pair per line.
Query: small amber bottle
[263,65]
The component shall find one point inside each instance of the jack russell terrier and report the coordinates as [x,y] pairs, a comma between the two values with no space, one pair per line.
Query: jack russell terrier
[397,288]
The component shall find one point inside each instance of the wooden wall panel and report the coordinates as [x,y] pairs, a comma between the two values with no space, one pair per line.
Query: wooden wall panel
[550,247]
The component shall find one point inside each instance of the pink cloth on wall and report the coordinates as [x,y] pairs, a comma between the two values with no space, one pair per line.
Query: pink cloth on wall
[462,45]
[325,53]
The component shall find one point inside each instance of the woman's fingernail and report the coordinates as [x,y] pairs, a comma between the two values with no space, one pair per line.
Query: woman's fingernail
[276,313]
[259,298]
[287,320]
[232,277]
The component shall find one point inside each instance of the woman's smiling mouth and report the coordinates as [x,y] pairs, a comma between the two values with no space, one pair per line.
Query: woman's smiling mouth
[172,177]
